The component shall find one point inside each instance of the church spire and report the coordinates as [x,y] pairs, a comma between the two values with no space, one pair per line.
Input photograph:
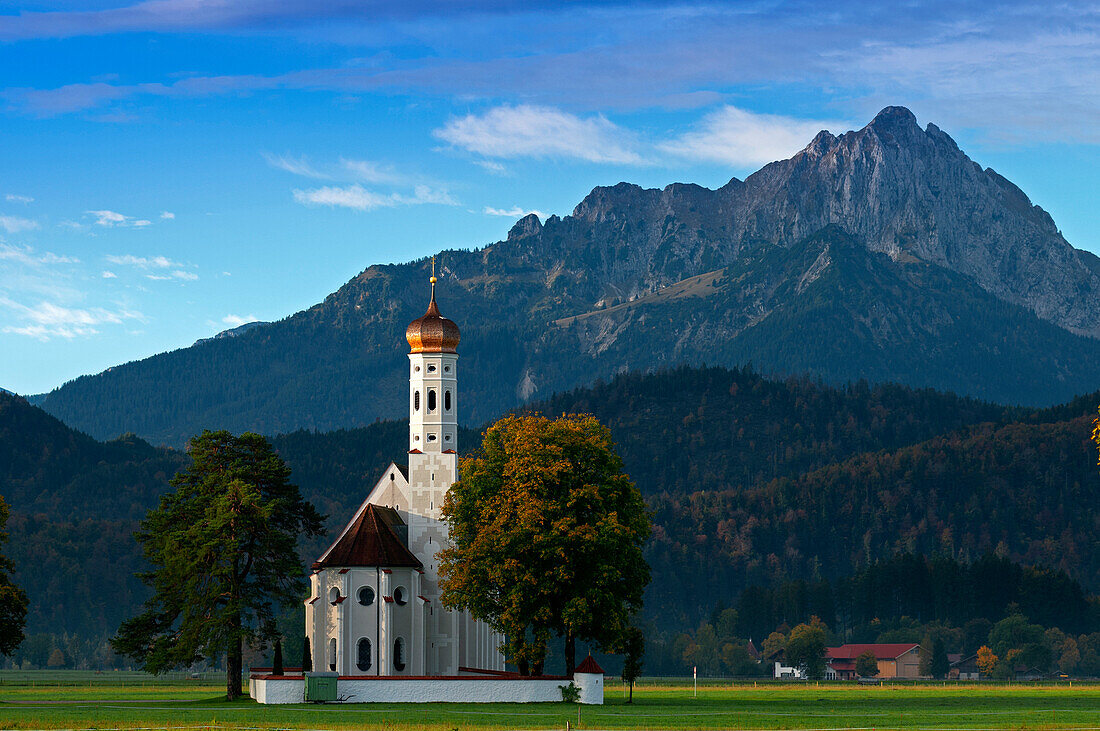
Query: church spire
[432,333]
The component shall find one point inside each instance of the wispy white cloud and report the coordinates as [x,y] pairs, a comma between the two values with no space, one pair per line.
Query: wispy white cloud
[47,320]
[154,266]
[734,136]
[295,165]
[492,166]
[368,171]
[27,256]
[142,262]
[108,275]
[15,224]
[167,216]
[346,170]
[238,320]
[513,212]
[14,198]
[359,198]
[404,189]
[541,132]
[112,219]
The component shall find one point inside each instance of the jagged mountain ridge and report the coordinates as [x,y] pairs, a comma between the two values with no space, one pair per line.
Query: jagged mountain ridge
[641,279]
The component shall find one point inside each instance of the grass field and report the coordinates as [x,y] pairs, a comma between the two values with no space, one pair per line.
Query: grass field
[194,704]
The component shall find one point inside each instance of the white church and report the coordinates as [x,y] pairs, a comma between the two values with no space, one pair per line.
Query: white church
[375,606]
[376,628]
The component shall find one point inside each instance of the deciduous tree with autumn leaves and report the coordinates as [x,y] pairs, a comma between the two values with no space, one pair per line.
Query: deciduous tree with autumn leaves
[547,535]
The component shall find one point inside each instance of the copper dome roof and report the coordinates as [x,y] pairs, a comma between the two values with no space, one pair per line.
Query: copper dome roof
[432,333]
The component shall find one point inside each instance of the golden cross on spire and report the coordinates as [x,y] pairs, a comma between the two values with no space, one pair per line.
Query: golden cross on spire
[433,280]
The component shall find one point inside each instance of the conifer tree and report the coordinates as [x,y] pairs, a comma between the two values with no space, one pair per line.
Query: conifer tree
[224,558]
[277,661]
[13,600]
[941,665]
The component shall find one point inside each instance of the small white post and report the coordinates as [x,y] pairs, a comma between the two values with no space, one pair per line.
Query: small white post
[695,681]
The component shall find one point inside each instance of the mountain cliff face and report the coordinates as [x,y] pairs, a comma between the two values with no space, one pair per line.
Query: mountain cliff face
[885,253]
[907,192]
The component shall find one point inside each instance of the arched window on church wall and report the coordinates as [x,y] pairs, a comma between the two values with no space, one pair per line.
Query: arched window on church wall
[362,654]
[332,654]
[416,401]
[399,654]
[447,400]
[431,399]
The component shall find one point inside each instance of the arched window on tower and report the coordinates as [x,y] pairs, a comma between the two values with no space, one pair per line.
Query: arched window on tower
[447,400]
[431,399]
[416,401]
[332,654]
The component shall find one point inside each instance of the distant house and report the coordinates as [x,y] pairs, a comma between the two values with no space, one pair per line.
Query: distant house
[779,670]
[964,668]
[753,652]
[1029,673]
[894,660]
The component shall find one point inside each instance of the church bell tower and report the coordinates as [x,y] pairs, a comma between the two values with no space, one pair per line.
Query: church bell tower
[433,379]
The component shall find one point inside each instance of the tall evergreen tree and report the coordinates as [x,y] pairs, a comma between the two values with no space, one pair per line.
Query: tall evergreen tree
[13,600]
[223,551]
[940,664]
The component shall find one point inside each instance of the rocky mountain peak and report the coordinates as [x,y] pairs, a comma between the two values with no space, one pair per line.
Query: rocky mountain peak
[895,119]
[529,225]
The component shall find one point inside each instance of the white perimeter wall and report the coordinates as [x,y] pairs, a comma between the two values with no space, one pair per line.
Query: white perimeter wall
[428,690]
[291,690]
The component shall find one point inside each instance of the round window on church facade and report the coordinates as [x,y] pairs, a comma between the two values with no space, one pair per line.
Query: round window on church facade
[399,597]
[366,596]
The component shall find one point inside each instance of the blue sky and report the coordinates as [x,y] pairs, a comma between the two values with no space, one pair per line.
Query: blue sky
[172,168]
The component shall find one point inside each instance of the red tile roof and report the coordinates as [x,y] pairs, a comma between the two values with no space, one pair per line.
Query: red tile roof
[882,651]
[369,541]
[589,665]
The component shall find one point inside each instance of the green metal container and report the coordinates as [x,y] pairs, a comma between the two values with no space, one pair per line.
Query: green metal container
[320,687]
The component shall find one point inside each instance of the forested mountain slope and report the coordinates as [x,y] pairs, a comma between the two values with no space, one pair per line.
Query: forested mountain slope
[885,254]
[1027,491]
[751,481]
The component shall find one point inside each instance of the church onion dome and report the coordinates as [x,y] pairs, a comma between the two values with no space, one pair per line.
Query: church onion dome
[432,333]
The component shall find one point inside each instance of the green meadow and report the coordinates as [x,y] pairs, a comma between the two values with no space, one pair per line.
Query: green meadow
[142,703]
